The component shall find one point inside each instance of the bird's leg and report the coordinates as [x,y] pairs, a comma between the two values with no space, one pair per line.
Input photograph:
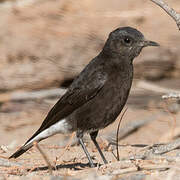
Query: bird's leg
[93,137]
[80,136]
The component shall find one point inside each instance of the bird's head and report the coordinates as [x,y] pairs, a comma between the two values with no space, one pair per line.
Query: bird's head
[127,42]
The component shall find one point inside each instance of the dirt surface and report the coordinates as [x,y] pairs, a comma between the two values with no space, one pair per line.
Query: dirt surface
[45,43]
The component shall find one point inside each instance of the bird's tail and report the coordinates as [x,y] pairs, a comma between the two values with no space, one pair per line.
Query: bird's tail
[21,150]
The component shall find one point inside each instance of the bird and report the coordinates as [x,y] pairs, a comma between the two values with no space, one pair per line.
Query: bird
[97,95]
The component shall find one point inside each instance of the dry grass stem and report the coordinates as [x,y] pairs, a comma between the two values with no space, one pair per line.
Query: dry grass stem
[44,157]
[117,134]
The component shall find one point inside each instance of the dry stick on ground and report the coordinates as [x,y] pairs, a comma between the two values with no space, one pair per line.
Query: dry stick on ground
[161,149]
[170,11]
[117,134]
[158,149]
[143,167]
[44,157]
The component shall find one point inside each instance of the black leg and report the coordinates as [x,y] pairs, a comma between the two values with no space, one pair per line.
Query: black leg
[79,136]
[93,137]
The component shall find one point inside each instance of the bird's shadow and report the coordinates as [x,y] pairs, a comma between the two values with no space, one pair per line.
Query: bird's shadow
[74,166]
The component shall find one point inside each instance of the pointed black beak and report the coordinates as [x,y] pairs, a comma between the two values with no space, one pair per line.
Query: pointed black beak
[150,43]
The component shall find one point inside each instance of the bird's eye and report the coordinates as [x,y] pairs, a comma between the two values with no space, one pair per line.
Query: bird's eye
[127,40]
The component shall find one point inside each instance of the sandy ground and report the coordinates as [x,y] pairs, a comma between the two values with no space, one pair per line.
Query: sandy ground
[44,30]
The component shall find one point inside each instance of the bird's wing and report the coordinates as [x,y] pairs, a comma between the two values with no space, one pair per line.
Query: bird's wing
[73,99]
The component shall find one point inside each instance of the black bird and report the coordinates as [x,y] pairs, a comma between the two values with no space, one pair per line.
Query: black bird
[97,96]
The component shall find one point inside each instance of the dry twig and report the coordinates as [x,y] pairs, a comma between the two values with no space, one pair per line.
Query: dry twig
[161,149]
[117,134]
[44,157]
[143,167]
[170,11]
[158,149]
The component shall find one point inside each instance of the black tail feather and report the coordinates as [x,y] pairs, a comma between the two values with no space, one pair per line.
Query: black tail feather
[20,151]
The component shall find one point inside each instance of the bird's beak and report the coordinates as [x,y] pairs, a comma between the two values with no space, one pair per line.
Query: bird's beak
[146,43]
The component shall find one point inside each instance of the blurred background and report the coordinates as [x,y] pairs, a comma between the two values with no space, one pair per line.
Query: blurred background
[44,44]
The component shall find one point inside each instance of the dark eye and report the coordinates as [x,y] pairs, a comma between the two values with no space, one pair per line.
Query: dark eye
[127,40]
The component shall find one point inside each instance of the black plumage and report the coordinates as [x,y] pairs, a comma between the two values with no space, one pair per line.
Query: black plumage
[97,96]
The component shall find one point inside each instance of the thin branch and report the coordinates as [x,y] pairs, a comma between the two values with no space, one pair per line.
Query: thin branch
[158,149]
[148,167]
[117,135]
[44,157]
[162,149]
[170,11]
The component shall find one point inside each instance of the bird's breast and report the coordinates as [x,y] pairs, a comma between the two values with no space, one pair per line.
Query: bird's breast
[104,108]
